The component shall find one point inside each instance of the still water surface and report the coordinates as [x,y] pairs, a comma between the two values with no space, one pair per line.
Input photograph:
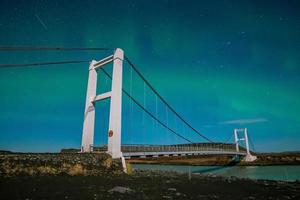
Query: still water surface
[284,173]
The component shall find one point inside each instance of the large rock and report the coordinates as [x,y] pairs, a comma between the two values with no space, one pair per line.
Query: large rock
[120,189]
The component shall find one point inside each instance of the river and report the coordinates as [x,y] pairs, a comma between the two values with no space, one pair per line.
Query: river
[283,173]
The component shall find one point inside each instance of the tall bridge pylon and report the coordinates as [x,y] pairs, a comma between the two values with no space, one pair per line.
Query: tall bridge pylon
[237,139]
[115,95]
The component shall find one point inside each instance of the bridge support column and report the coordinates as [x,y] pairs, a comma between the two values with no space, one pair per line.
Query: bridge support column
[115,95]
[236,140]
[89,113]
[115,116]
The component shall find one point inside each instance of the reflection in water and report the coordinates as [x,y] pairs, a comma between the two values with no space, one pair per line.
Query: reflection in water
[285,173]
[207,170]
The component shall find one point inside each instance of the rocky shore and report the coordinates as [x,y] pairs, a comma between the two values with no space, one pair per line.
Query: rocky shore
[144,185]
[96,176]
[18,164]
[284,158]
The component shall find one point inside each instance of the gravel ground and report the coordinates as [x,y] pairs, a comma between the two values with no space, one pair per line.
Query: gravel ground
[144,185]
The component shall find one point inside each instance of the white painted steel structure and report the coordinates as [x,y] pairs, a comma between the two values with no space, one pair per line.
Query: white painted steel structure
[115,95]
[114,133]
[237,138]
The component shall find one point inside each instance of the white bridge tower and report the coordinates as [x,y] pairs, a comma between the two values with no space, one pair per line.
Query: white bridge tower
[115,95]
[249,157]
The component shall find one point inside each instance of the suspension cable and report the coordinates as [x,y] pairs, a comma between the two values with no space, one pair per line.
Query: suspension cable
[34,48]
[164,101]
[251,143]
[43,63]
[144,102]
[148,112]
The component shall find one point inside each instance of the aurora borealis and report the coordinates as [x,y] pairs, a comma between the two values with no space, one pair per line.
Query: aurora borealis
[221,64]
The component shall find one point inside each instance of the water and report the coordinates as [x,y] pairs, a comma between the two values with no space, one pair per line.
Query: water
[283,173]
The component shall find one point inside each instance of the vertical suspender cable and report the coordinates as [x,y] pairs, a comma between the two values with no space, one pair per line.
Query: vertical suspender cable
[144,104]
[144,101]
[167,119]
[164,101]
[130,106]
[156,113]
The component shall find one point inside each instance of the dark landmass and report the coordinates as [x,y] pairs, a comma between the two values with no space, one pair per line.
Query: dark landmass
[284,158]
[18,164]
[97,176]
[263,159]
[144,185]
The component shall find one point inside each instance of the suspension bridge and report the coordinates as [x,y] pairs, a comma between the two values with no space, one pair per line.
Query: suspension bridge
[183,144]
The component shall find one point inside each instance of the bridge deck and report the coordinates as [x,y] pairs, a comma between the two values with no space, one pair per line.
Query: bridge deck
[179,153]
[129,151]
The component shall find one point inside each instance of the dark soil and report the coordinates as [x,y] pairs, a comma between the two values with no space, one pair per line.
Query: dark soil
[144,185]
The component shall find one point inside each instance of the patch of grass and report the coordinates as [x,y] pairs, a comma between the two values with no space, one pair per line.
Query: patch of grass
[129,168]
[76,170]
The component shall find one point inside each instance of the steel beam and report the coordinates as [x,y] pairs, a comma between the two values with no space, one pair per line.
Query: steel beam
[102,96]
[103,62]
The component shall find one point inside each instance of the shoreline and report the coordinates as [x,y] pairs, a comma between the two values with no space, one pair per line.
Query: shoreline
[270,159]
[285,173]
[97,176]
[144,184]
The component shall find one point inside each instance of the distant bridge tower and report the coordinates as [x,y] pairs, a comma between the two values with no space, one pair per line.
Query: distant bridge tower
[115,95]
[249,157]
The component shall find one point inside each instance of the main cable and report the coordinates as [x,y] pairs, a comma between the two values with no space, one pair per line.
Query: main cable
[148,112]
[43,63]
[251,143]
[41,48]
[164,101]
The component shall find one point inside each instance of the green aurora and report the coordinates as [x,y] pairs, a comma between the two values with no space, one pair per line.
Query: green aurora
[221,64]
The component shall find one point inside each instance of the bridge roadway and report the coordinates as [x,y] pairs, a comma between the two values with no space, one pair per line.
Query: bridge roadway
[180,150]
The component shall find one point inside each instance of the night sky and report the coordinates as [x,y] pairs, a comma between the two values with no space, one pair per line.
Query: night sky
[221,64]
